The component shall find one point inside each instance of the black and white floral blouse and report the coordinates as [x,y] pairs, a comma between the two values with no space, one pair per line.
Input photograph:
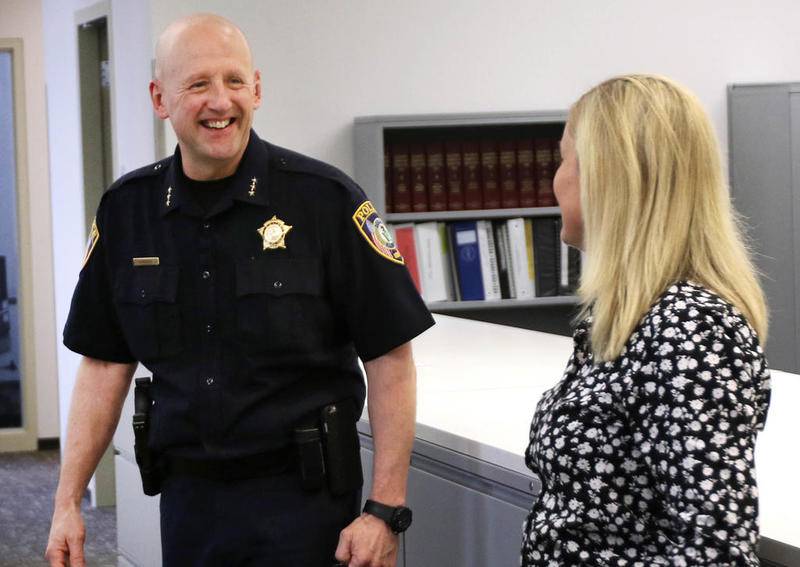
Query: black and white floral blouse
[648,459]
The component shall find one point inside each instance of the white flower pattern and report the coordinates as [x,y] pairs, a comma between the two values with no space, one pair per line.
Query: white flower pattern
[655,458]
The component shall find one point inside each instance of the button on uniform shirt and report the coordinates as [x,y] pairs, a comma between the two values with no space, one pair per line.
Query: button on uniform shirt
[648,459]
[250,314]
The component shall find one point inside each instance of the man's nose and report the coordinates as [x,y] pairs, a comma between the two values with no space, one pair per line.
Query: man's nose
[219,97]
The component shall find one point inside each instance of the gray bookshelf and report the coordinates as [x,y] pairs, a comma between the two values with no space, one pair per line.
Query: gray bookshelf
[553,301]
[369,132]
[549,314]
[473,214]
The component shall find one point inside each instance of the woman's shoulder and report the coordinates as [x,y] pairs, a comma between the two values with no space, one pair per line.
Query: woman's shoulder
[691,335]
[687,307]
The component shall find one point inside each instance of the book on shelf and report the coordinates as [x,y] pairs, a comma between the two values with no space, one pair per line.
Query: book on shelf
[387,179]
[512,283]
[575,260]
[435,176]
[449,272]
[522,253]
[556,155]
[488,254]
[404,238]
[547,248]
[417,171]
[452,256]
[433,262]
[471,160]
[526,177]
[489,174]
[531,252]
[467,260]
[454,175]
[543,166]
[507,167]
[570,270]
[503,259]
[401,194]
[517,258]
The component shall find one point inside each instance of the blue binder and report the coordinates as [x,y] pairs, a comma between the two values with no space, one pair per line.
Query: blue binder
[468,260]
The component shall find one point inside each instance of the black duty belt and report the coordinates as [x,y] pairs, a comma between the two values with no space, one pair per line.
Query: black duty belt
[239,468]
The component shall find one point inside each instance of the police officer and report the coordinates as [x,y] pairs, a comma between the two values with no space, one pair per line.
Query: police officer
[248,279]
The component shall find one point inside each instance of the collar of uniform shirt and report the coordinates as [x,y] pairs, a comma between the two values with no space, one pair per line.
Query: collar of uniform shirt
[248,184]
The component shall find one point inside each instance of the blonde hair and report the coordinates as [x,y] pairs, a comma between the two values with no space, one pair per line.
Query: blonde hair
[656,209]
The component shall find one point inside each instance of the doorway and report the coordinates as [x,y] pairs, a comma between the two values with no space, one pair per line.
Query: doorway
[95,79]
[95,85]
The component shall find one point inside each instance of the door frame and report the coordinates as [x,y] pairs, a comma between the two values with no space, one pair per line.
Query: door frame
[102,484]
[23,438]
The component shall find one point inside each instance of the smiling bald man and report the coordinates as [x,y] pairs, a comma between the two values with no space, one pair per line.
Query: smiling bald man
[248,279]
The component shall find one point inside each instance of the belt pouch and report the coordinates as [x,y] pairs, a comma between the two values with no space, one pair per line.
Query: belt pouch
[312,464]
[342,448]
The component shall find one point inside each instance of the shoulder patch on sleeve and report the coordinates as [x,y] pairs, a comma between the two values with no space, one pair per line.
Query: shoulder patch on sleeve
[94,237]
[376,233]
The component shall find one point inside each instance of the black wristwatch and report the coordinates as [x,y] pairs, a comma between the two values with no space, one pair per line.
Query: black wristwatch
[398,518]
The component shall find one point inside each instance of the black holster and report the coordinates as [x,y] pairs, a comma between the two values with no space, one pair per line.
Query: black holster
[145,457]
[329,450]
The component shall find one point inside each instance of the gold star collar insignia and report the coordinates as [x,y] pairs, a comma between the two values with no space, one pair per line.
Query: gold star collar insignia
[274,232]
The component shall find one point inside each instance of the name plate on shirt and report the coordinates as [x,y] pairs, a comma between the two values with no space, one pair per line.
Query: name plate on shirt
[146,261]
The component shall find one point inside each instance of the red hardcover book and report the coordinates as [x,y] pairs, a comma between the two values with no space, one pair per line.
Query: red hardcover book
[455,167]
[544,172]
[387,180]
[401,194]
[556,156]
[472,175]
[507,158]
[419,188]
[404,238]
[489,175]
[437,196]
[526,178]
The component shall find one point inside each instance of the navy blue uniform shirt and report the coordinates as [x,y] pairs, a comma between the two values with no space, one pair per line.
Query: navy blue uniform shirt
[243,336]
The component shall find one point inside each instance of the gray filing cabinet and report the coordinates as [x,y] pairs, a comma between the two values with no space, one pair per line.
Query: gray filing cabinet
[764,130]
[467,512]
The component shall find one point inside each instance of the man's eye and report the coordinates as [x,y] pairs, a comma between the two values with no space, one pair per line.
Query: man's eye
[197,85]
[236,81]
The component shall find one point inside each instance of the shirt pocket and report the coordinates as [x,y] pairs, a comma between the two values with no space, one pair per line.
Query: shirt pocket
[280,304]
[146,299]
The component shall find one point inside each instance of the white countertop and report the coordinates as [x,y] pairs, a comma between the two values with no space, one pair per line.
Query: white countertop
[478,385]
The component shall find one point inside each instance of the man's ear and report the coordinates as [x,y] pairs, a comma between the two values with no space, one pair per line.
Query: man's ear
[257,86]
[157,98]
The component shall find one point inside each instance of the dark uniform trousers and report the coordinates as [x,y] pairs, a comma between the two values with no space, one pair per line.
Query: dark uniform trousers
[266,522]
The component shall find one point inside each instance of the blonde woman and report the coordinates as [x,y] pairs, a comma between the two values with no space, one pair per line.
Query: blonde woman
[645,447]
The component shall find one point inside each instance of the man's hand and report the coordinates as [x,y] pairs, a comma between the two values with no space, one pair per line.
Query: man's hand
[67,534]
[367,542]
[97,399]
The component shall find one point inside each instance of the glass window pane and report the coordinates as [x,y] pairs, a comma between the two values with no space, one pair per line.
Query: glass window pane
[10,399]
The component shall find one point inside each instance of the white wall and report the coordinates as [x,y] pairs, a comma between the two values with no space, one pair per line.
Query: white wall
[129,48]
[326,62]
[23,19]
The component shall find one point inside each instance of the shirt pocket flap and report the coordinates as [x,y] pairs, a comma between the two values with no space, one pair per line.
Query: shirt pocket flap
[147,284]
[279,276]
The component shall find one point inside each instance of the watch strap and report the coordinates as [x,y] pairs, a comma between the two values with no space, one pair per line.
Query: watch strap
[382,511]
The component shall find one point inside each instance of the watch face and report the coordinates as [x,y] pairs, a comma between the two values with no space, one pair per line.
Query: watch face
[401,519]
